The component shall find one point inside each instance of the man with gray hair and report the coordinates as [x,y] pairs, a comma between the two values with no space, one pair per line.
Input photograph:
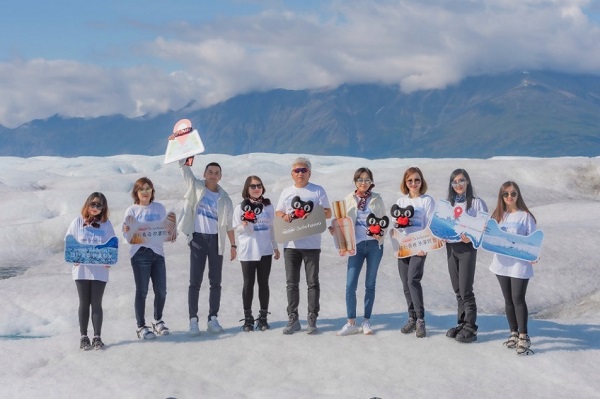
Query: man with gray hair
[307,249]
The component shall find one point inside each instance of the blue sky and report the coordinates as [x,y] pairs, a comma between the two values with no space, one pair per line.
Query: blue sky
[136,57]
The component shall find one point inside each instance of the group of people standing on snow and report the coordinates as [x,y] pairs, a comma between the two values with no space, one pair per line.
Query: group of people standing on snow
[211,224]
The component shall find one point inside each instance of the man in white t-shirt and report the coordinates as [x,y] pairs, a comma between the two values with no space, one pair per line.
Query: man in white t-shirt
[307,249]
[207,222]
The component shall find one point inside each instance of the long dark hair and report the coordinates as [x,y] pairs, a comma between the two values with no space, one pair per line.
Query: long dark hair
[501,206]
[246,189]
[85,210]
[470,194]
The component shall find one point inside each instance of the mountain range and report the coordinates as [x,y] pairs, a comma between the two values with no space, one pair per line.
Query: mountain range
[536,113]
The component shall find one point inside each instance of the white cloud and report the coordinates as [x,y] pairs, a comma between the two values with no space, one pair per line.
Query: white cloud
[418,45]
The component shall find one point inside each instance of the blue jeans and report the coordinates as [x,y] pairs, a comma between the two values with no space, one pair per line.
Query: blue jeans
[147,265]
[205,247]
[370,251]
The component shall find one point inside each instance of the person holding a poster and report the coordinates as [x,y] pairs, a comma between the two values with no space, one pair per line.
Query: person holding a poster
[462,258]
[369,249]
[207,222]
[306,249]
[147,261]
[513,274]
[411,269]
[253,223]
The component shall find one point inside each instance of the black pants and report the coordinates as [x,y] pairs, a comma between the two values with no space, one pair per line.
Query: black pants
[411,272]
[462,258]
[90,295]
[205,247]
[514,290]
[293,264]
[252,271]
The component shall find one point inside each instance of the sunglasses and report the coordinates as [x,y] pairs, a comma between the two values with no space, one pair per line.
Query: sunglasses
[364,181]
[298,170]
[414,181]
[459,182]
[255,186]
[512,194]
[96,205]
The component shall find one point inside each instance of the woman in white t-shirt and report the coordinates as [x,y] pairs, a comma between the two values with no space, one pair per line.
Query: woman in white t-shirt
[253,223]
[513,274]
[462,258]
[91,227]
[147,261]
[411,269]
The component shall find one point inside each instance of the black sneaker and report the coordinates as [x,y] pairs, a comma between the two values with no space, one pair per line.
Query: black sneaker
[293,324]
[261,322]
[466,335]
[311,320]
[421,332]
[409,327]
[451,333]
[85,344]
[97,343]
[248,322]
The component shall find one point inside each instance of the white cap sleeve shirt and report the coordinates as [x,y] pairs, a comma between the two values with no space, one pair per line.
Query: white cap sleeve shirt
[521,223]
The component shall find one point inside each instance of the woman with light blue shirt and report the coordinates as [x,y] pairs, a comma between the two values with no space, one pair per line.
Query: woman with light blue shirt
[514,217]
[411,269]
[359,204]
[253,223]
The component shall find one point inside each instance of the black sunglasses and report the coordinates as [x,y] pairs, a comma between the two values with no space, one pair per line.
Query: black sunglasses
[255,186]
[512,194]
[96,205]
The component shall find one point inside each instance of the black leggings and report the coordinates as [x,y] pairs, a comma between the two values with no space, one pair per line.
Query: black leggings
[252,271]
[90,295]
[514,290]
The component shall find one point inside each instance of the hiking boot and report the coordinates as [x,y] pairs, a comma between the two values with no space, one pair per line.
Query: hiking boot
[194,329]
[365,327]
[409,327]
[145,333]
[84,343]
[311,319]
[451,333]
[213,325]
[293,324]
[421,333]
[97,343]
[466,335]
[160,328]
[348,329]
[523,345]
[511,343]
[261,322]
[248,321]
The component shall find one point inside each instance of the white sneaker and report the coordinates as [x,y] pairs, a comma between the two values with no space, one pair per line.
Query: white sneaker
[145,333]
[160,328]
[348,329]
[366,327]
[213,325]
[194,329]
